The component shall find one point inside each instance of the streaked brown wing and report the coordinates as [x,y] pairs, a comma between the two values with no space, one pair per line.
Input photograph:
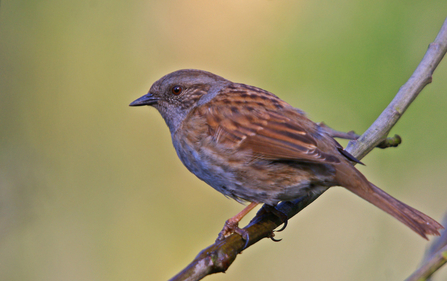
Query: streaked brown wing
[269,135]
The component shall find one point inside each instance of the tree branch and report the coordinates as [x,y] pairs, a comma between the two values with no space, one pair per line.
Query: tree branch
[385,143]
[404,97]
[219,256]
[435,257]
[428,268]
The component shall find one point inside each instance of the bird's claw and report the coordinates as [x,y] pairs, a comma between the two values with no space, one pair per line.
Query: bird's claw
[231,227]
[282,228]
[245,236]
[272,235]
[283,217]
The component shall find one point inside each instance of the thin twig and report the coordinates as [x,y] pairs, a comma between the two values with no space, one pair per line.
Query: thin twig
[219,256]
[405,96]
[435,256]
[351,135]
[432,265]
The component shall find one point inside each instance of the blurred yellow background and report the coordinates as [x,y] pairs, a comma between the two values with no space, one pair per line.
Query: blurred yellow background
[91,189]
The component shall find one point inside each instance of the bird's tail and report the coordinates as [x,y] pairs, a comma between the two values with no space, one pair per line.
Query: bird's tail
[354,181]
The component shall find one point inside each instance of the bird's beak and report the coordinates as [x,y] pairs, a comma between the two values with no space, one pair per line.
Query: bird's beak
[148,99]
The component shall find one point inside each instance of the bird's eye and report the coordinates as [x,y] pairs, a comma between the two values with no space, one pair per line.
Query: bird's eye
[176,90]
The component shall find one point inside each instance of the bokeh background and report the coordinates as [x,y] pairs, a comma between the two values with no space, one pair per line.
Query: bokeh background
[91,189]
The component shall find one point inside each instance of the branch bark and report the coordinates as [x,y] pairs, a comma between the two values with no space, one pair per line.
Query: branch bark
[435,257]
[219,256]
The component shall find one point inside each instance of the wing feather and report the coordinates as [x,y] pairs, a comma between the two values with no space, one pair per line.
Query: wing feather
[267,134]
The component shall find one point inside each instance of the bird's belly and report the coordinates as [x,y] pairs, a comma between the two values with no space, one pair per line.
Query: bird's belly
[212,169]
[249,179]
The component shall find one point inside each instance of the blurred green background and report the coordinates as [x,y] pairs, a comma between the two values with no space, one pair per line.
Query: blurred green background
[91,189]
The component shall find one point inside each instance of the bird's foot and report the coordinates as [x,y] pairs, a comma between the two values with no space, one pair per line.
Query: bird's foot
[283,217]
[232,226]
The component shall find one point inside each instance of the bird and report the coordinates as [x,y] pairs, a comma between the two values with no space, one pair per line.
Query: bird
[253,147]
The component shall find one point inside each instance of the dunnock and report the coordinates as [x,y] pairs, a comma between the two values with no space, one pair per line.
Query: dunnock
[252,146]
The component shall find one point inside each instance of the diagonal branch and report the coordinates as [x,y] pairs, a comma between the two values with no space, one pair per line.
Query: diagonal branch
[421,77]
[219,256]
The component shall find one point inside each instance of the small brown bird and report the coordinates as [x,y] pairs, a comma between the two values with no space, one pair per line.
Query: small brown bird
[252,146]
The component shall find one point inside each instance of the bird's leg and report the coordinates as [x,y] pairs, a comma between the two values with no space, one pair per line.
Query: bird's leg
[232,225]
